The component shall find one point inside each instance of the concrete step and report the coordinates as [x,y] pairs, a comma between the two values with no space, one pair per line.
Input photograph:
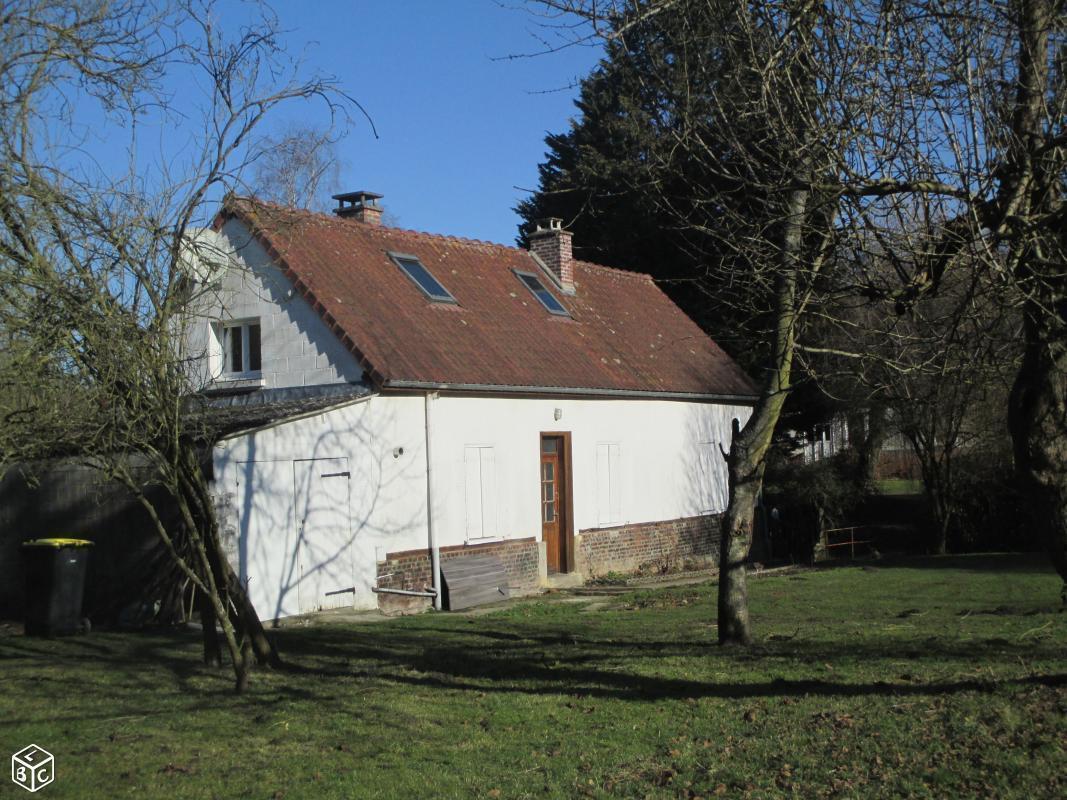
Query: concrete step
[564,580]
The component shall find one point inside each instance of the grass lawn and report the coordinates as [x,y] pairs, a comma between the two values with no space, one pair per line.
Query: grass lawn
[899,486]
[924,678]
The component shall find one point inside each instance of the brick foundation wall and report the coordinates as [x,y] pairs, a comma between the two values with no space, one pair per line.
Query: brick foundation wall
[629,548]
[410,569]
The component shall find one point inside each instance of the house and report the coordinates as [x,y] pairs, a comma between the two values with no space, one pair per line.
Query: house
[895,457]
[443,397]
[822,440]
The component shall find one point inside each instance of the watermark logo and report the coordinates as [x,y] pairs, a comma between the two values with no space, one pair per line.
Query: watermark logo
[33,767]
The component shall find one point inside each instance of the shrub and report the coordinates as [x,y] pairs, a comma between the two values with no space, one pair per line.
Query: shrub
[809,498]
[991,513]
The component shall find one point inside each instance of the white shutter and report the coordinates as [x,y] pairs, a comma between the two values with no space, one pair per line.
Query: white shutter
[706,471]
[615,485]
[712,478]
[479,466]
[488,470]
[608,483]
[473,480]
[722,477]
[603,485]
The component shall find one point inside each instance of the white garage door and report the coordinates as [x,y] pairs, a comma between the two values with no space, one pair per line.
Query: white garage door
[324,533]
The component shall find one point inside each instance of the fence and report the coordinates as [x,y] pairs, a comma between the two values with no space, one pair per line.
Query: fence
[64,499]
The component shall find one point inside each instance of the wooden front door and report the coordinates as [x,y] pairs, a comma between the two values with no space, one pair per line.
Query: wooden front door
[553,502]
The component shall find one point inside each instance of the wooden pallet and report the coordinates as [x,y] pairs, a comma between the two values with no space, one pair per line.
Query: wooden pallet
[473,581]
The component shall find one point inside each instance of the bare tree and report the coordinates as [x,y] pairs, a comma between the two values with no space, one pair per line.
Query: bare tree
[943,413]
[792,136]
[750,142]
[940,376]
[297,168]
[96,267]
[985,87]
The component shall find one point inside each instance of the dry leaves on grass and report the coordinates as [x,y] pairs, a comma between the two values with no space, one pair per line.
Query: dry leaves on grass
[836,720]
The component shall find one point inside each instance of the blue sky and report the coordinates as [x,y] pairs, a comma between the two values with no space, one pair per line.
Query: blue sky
[460,125]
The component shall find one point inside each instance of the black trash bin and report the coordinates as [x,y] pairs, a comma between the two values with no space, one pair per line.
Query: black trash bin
[55,583]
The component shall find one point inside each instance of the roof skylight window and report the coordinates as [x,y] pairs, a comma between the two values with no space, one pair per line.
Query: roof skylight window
[422,278]
[548,300]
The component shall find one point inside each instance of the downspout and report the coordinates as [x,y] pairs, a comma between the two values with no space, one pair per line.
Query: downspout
[435,553]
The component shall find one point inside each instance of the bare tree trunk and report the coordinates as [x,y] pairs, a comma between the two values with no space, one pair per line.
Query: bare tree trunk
[267,654]
[196,564]
[748,449]
[243,666]
[745,483]
[246,616]
[1038,421]
[945,503]
[247,620]
[942,521]
[937,499]
[1037,414]
[212,650]
[191,509]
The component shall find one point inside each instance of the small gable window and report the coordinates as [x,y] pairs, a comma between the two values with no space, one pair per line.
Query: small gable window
[548,300]
[430,286]
[241,347]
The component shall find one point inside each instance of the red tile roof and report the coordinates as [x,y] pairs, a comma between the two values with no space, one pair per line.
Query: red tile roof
[623,336]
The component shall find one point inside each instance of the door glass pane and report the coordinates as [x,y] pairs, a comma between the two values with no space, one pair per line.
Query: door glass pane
[548,471]
[548,445]
[550,512]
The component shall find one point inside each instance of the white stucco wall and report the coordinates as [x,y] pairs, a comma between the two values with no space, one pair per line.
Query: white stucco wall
[387,493]
[669,467]
[298,349]
[663,474]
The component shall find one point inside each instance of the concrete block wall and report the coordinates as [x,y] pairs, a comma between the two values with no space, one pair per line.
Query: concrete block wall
[410,570]
[630,548]
[226,514]
[298,348]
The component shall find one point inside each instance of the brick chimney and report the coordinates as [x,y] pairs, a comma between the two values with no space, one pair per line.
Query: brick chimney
[362,206]
[550,243]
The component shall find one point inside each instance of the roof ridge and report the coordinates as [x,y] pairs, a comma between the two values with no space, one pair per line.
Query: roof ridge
[385,229]
[324,217]
[623,273]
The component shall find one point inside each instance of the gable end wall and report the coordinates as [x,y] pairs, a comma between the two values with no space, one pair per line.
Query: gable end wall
[298,348]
